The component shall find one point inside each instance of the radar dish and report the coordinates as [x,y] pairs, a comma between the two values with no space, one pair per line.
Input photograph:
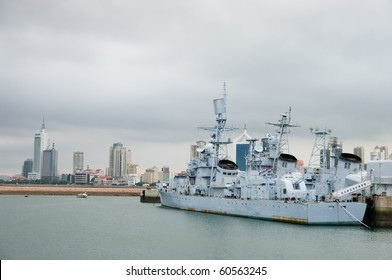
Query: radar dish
[209,148]
[258,148]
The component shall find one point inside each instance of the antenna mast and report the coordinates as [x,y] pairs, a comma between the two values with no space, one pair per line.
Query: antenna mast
[283,129]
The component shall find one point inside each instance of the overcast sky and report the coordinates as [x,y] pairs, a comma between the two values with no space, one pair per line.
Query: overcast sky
[144,73]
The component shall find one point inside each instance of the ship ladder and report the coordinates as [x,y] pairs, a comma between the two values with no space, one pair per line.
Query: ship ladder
[351,215]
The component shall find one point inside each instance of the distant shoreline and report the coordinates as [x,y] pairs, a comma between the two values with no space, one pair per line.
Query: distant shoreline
[68,190]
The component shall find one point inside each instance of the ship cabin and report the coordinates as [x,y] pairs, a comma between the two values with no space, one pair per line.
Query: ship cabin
[347,164]
[226,178]
[286,164]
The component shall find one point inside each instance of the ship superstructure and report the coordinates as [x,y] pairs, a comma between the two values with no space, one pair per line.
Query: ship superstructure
[271,188]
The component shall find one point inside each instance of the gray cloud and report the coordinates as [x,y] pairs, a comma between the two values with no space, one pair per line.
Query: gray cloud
[144,73]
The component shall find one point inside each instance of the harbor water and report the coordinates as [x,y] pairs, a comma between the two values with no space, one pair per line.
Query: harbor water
[121,228]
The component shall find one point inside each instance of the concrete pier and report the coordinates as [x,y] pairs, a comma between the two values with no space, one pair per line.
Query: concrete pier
[150,196]
[379,211]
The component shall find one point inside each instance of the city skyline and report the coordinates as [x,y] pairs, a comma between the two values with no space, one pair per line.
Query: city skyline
[144,74]
[124,155]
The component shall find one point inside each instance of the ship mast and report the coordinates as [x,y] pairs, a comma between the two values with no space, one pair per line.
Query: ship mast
[283,129]
[318,157]
[219,145]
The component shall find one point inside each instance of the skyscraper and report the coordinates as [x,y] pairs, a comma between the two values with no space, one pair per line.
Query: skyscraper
[241,153]
[78,161]
[379,153]
[195,154]
[151,175]
[49,165]
[41,143]
[241,149]
[119,158]
[360,151]
[164,175]
[27,167]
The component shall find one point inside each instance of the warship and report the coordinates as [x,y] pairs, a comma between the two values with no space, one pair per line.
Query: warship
[270,188]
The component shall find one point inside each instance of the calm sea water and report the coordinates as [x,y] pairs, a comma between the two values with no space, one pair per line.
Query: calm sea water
[122,228]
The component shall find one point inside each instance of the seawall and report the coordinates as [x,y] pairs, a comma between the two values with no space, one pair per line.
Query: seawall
[68,190]
[379,211]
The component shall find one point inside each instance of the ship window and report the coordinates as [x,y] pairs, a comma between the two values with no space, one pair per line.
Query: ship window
[347,165]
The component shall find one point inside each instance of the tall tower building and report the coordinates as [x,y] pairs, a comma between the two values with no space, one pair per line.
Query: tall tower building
[27,167]
[360,151]
[242,149]
[151,175]
[164,175]
[195,149]
[49,165]
[78,161]
[134,169]
[119,159]
[379,153]
[41,143]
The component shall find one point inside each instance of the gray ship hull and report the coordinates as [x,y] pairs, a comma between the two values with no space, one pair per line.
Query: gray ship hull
[310,213]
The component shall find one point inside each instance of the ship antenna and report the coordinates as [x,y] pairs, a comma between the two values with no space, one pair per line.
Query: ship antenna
[224,91]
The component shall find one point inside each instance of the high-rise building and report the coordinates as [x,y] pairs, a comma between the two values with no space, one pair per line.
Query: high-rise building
[241,149]
[134,169]
[195,149]
[41,143]
[27,167]
[164,175]
[379,153]
[78,161]
[119,159]
[333,152]
[49,165]
[151,175]
[360,151]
